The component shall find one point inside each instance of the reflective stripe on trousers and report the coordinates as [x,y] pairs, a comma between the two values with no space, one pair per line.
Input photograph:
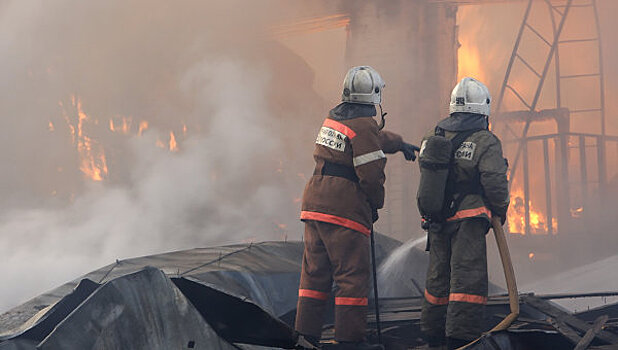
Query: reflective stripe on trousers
[470,213]
[340,301]
[333,219]
[460,297]
[313,294]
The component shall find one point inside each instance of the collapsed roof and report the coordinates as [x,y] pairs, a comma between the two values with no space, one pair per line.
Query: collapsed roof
[244,297]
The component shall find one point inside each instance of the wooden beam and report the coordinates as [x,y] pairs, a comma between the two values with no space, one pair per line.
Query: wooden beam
[591,333]
[574,322]
[565,330]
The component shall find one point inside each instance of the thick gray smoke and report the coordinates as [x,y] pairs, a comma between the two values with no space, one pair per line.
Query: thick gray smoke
[204,65]
[176,200]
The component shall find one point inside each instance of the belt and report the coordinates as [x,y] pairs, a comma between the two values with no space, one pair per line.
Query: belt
[339,170]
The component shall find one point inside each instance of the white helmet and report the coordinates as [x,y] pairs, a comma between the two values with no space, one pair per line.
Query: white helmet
[471,96]
[362,84]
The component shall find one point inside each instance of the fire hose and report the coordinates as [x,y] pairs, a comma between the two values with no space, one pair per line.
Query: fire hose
[509,274]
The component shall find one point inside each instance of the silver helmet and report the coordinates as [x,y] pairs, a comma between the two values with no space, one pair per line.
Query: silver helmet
[362,84]
[471,96]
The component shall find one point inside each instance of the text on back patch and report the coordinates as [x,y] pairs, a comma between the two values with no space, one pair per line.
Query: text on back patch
[465,151]
[331,138]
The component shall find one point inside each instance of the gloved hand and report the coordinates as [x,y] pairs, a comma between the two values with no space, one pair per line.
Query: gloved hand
[409,150]
[374,215]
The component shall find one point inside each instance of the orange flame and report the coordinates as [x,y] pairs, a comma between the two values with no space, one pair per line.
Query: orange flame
[92,156]
[516,217]
[173,144]
[468,55]
[50,126]
[469,62]
[577,212]
[125,126]
[143,125]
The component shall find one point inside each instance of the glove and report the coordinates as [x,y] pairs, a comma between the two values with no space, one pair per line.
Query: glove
[408,151]
[374,215]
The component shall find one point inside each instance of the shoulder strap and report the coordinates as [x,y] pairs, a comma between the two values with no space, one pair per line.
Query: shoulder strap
[461,137]
[451,205]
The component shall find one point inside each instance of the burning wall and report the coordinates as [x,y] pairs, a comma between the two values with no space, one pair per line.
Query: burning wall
[581,223]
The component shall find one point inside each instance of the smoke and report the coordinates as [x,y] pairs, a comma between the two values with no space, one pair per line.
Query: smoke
[208,67]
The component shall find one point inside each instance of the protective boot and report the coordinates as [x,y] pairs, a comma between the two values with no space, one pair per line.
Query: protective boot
[435,343]
[454,343]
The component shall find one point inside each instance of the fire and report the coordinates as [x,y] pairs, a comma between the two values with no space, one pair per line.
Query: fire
[143,126]
[173,144]
[531,256]
[124,127]
[577,212]
[517,220]
[92,160]
[468,53]
[469,61]
[51,126]
[91,153]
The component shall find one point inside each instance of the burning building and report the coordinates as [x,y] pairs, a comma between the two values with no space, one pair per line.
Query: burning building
[135,161]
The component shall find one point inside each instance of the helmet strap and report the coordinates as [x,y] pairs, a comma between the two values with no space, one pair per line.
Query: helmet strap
[382,115]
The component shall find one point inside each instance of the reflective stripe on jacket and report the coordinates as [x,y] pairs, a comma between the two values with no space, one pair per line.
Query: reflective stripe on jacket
[356,144]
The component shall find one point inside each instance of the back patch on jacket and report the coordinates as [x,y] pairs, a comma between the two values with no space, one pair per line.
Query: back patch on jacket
[331,138]
[465,151]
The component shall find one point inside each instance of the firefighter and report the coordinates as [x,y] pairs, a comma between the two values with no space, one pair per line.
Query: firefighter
[456,286]
[340,204]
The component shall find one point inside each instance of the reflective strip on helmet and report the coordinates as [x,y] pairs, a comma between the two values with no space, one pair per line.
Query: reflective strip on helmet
[468,298]
[342,128]
[313,294]
[351,301]
[332,219]
[470,213]
[435,300]
[368,157]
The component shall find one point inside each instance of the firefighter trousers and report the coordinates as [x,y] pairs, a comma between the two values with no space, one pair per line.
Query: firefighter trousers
[336,253]
[456,286]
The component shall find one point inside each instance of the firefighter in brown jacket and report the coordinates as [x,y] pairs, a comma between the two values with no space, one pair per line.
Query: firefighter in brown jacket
[456,287]
[339,206]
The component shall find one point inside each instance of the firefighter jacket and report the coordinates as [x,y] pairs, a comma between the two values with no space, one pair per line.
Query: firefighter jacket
[348,181]
[480,169]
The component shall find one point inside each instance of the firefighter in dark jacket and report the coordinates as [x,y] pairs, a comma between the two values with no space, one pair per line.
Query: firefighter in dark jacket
[456,286]
[339,206]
